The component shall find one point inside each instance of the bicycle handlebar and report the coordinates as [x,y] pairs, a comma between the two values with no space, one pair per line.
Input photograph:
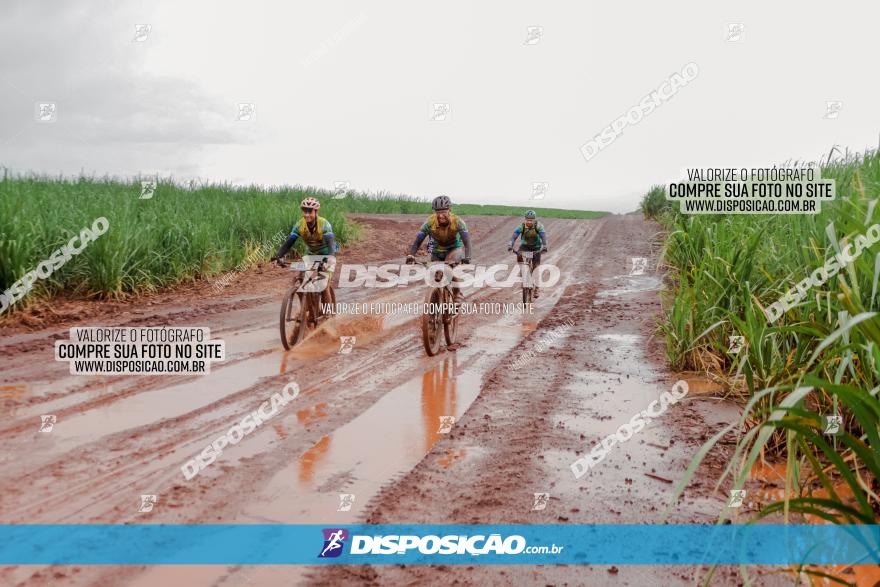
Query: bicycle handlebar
[316,265]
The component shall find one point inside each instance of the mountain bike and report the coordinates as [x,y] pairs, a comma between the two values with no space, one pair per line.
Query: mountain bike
[301,307]
[528,289]
[440,314]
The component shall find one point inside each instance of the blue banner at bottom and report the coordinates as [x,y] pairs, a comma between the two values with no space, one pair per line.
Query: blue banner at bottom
[622,544]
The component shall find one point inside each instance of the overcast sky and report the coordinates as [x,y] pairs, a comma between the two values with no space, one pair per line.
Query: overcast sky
[345,92]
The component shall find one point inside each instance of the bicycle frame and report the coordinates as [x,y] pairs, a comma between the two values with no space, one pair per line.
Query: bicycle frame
[447,289]
[310,282]
[310,276]
[527,267]
[528,262]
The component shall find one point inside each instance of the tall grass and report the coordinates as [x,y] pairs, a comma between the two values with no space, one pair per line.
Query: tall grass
[654,202]
[184,232]
[820,358]
[178,234]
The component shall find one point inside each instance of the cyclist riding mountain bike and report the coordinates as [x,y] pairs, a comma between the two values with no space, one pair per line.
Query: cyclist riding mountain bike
[448,233]
[532,237]
[315,231]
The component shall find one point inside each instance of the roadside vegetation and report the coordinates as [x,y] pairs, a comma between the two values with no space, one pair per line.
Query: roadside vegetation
[654,203]
[399,204]
[819,360]
[181,233]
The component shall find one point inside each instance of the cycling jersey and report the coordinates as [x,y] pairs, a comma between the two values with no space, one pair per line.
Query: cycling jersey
[319,241]
[445,238]
[533,238]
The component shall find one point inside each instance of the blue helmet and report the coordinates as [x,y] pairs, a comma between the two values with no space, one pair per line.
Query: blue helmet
[531,214]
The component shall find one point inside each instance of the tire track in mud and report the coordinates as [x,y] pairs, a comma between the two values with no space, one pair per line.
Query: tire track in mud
[99,481]
[521,434]
[271,507]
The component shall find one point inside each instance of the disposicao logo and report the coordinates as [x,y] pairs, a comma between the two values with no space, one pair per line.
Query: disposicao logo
[449,545]
[334,540]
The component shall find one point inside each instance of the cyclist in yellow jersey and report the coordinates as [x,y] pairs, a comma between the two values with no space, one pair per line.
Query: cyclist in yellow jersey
[313,229]
[447,233]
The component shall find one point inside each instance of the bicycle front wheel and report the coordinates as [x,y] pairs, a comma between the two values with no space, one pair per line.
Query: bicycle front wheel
[432,322]
[293,313]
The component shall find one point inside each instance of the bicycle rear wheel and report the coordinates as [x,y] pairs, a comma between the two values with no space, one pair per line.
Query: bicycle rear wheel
[529,293]
[432,323]
[327,297]
[332,297]
[293,313]
[311,310]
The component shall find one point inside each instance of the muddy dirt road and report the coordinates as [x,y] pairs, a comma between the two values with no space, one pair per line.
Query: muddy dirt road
[368,423]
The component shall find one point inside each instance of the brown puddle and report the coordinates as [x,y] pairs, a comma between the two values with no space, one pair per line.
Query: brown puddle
[631,284]
[310,458]
[528,327]
[772,479]
[386,440]
[451,456]
[702,386]
[317,412]
[171,401]
[770,473]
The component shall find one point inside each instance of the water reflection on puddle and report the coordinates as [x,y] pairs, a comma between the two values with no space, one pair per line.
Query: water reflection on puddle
[386,440]
[632,284]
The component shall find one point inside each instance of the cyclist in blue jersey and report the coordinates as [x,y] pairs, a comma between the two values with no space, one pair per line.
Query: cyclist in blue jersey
[532,237]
